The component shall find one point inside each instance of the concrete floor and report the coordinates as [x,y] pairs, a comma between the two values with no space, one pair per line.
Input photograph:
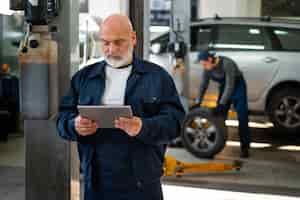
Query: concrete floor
[268,171]
[272,168]
[12,168]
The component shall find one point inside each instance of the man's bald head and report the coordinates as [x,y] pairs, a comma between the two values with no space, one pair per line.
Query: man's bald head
[117,22]
[118,40]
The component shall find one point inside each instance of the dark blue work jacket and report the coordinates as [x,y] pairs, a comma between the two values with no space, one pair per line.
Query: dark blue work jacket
[151,93]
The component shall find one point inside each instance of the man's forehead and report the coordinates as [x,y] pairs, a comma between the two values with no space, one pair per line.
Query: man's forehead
[114,34]
[113,37]
[118,21]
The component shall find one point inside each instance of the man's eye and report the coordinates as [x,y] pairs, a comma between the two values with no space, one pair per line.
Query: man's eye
[119,42]
[104,43]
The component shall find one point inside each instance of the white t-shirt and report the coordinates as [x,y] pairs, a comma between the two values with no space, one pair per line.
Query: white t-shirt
[115,85]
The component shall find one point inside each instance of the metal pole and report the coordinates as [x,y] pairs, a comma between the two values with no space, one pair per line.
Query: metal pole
[146,29]
[180,22]
[1,37]
[136,14]
[52,168]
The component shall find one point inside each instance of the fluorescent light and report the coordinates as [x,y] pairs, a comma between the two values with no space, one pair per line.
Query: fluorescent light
[260,125]
[159,29]
[277,32]
[235,123]
[254,145]
[290,148]
[239,46]
[254,31]
[4,8]
[233,144]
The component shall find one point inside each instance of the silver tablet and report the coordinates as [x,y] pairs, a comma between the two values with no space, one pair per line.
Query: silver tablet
[105,115]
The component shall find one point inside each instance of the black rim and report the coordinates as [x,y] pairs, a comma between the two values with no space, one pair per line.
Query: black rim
[287,112]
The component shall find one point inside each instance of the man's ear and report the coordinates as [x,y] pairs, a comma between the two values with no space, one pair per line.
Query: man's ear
[134,38]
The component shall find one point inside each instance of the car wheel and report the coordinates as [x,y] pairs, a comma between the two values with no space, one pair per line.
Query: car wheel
[203,134]
[284,110]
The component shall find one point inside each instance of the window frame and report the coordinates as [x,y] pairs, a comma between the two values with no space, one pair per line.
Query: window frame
[212,36]
[265,38]
[270,32]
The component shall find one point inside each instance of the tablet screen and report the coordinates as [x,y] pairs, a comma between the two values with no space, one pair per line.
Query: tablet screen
[105,115]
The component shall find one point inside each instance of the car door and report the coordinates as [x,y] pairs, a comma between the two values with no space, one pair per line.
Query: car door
[285,43]
[247,45]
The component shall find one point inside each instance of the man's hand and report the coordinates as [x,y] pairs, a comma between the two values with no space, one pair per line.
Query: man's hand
[220,110]
[84,126]
[132,126]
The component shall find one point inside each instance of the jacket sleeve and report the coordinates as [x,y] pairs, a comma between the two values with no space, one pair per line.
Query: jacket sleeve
[166,125]
[68,112]
[203,86]
[230,70]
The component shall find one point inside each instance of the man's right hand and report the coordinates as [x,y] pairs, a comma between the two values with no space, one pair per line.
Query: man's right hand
[84,126]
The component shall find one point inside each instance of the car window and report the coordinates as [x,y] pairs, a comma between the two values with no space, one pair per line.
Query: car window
[201,37]
[239,37]
[285,39]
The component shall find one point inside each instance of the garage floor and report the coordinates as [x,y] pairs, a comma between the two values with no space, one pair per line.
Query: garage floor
[272,169]
[12,168]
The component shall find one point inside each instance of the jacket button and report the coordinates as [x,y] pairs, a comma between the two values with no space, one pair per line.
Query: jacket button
[139,184]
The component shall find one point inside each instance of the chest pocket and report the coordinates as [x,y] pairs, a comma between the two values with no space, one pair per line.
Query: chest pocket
[85,100]
[150,106]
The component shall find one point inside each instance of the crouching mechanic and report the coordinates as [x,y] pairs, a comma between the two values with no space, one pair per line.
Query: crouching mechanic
[232,90]
[125,162]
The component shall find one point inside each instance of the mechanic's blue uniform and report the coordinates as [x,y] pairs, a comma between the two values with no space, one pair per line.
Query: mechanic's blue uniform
[117,166]
[240,104]
[232,90]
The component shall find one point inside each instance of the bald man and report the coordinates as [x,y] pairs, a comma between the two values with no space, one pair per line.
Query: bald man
[124,162]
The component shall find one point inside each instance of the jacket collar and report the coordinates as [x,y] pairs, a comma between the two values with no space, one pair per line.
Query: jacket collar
[138,66]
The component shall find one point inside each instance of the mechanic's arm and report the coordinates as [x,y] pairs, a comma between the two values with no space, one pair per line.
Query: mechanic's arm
[230,75]
[203,87]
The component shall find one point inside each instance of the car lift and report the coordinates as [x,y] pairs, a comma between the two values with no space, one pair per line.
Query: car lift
[173,167]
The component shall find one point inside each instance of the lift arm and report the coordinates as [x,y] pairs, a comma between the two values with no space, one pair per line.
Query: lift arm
[174,167]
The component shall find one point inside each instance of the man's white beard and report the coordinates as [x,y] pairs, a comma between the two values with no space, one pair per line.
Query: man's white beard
[119,61]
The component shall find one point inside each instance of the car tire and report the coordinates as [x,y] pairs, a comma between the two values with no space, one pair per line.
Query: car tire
[203,134]
[284,110]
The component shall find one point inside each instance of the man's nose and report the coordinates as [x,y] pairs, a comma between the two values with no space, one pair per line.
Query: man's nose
[112,48]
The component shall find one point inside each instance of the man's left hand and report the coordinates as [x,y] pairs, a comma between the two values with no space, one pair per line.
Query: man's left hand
[132,126]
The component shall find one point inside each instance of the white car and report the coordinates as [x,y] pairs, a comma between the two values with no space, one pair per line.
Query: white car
[266,50]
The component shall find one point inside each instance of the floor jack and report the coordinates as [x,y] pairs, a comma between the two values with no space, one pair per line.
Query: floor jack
[173,167]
